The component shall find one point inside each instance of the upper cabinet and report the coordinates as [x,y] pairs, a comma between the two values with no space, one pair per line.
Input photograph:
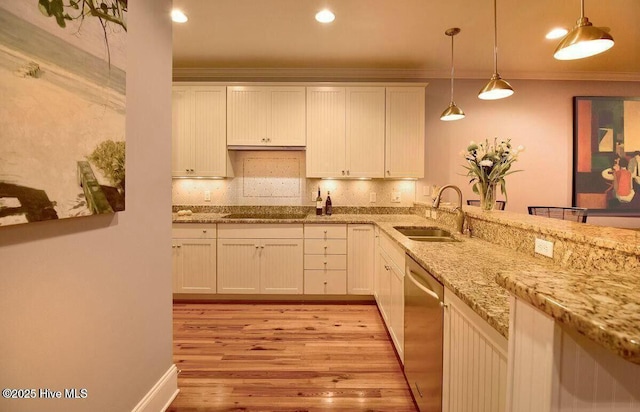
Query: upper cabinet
[199,131]
[345,131]
[404,154]
[266,116]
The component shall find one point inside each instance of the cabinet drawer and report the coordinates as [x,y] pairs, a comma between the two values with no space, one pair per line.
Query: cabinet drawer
[325,231]
[325,282]
[393,250]
[325,247]
[329,262]
[259,231]
[193,231]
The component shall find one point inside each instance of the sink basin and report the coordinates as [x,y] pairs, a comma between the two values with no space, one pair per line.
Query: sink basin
[426,234]
[265,216]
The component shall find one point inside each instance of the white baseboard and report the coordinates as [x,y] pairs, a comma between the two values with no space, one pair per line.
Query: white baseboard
[162,394]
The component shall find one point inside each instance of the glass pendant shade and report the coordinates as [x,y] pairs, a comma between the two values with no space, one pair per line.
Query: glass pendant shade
[583,41]
[497,88]
[452,112]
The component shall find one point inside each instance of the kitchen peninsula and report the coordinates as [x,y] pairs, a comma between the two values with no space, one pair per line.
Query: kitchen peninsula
[559,291]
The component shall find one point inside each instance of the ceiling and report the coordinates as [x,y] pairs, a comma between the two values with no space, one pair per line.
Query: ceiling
[398,38]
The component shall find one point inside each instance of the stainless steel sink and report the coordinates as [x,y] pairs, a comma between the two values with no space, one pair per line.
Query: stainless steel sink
[425,234]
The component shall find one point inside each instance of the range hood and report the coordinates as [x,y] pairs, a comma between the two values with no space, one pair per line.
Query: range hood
[274,148]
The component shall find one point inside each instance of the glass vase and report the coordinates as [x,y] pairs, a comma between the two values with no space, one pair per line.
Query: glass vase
[488,196]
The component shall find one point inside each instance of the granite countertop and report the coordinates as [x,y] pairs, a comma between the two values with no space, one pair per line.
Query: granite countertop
[604,306]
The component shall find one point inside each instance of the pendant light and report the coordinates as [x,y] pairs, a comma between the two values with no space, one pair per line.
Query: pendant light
[497,88]
[583,41]
[452,112]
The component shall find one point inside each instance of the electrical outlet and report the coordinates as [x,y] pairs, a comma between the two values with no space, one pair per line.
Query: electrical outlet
[207,195]
[372,197]
[396,197]
[426,190]
[544,247]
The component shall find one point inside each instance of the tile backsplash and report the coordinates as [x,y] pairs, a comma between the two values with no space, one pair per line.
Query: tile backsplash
[278,178]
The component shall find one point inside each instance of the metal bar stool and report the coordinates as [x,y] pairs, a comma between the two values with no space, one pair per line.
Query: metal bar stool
[577,214]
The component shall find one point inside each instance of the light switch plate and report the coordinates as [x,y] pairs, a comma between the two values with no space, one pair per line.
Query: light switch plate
[372,197]
[544,247]
[396,197]
[207,195]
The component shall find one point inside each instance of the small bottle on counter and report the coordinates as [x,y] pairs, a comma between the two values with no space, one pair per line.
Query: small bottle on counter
[319,203]
[328,206]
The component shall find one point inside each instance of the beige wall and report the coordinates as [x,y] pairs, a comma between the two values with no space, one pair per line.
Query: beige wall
[539,116]
[86,303]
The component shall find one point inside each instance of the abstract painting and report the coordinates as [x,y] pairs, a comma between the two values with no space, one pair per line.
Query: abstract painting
[606,155]
[62,108]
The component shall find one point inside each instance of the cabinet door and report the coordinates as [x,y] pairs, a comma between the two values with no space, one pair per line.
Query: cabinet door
[360,259]
[239,265]
[281,266]
[326,132]
[247,114]
[210,131]
[365,119]
[182,124]
[474,361]
[383,272]
[396,314]
[194,265]
[404,154]
[287,121]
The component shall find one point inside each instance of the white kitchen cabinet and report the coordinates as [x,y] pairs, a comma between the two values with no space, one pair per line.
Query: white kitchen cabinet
[325,259]
[404,146]
[474,361]
[390,289]
[270,262]
[199,132]
[345,131]
[194,259]
[266,116]
[360,259]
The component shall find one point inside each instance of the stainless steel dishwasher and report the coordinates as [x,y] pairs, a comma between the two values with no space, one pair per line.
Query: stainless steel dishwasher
[423,329]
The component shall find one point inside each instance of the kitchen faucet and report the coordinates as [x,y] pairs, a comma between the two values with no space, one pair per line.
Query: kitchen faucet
[458,209]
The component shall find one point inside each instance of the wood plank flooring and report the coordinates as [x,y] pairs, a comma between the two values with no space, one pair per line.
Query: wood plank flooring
[285,357]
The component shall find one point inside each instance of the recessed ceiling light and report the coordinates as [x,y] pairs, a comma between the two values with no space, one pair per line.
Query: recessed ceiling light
[178,16]
[325,16]
[557,33]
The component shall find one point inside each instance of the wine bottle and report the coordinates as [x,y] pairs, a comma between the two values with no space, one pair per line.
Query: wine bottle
[328,206]
[319,203]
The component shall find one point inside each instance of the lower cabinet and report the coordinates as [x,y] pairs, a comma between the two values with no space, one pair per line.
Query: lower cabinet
[194,259]
[260,265]
[474,361]
[360,259]
[389,289]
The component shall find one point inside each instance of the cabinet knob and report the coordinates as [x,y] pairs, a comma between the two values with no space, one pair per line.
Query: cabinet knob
[388,172]
[343,173]
[204,230]
[179,246]
[326,247]
[325,232]
[325,262]
[262,247]
[257,246]
[325,283]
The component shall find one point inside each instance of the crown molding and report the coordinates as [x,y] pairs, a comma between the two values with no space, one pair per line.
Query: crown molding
[349,74]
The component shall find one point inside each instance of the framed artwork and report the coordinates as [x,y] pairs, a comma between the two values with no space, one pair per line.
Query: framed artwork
[62,110]
[606,155]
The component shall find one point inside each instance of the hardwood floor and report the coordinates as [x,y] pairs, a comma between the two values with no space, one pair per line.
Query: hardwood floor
[285,357]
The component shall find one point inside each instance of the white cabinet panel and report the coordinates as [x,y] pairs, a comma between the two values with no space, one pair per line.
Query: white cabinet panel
[325,282]
[405,132]
[396,312]
[365,120]
[194,265]
[325,247]
[238,265]
[199,132]
[325,131]
[266,116]
[474,361]
[313,231]
[360,271]
[281,269]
